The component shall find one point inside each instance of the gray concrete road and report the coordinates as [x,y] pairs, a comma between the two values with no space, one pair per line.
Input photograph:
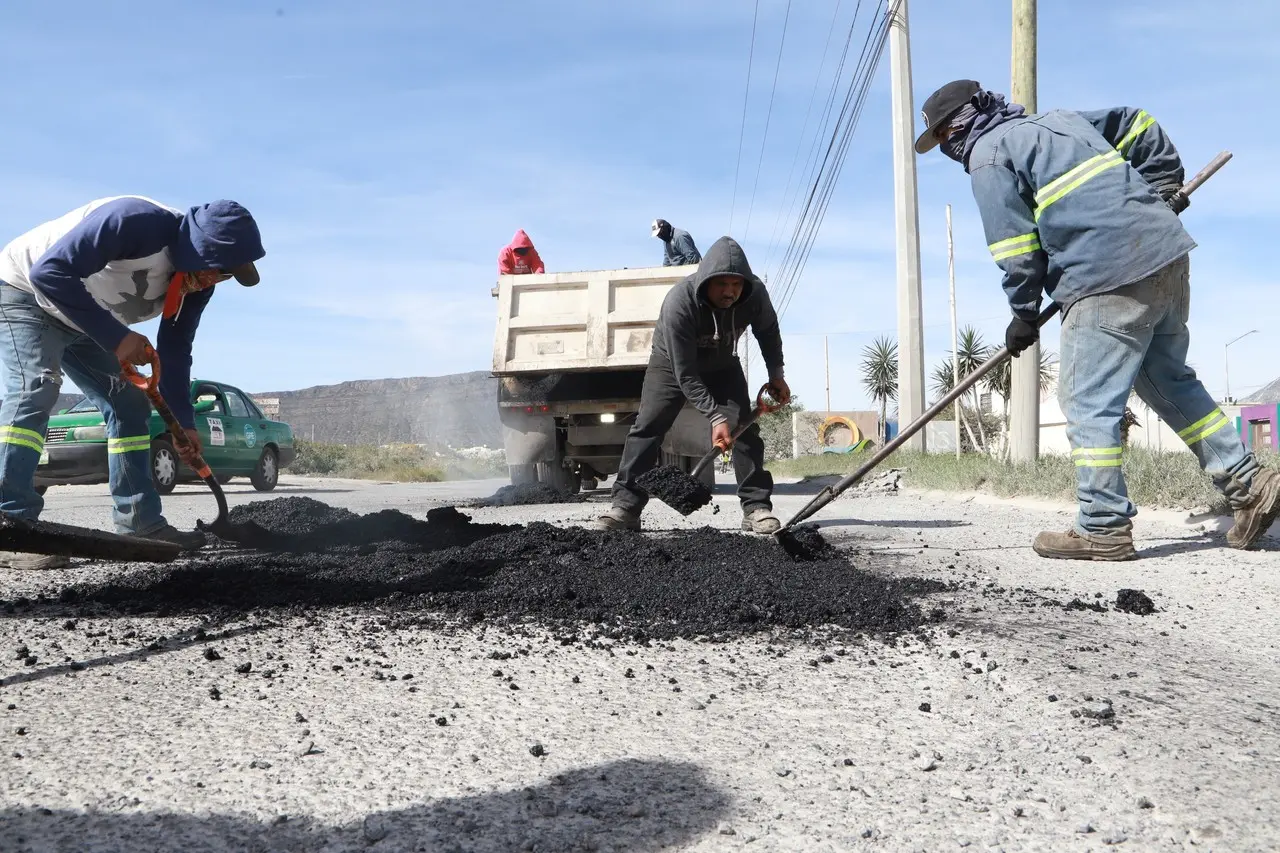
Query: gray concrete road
[111,740]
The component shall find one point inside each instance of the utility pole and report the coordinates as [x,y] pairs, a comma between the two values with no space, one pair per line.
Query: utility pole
[826,360]
[1024,380]
[955,333]
[906,210]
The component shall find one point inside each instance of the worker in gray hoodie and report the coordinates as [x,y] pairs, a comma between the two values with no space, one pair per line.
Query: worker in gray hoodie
[695,357]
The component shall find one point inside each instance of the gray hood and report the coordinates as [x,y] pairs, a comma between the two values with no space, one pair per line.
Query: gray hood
[725,257]
[692,337]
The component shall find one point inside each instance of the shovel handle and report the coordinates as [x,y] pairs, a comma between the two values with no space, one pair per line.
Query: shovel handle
[763,407]
[138,380]
[150,385]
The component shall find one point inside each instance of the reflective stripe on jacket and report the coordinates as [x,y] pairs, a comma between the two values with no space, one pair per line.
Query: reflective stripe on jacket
[1071,203]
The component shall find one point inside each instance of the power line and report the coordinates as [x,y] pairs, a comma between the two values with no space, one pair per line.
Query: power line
[835,175]
[804,221]
[831,164]
[786,190]
[811,161]
[743,130]
[807,228]
[767,116]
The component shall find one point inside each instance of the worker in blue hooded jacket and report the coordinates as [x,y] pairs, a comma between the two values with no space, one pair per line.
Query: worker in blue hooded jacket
[1083,207]
[69,290]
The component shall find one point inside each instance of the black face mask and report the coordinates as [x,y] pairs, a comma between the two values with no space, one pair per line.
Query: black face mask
[953,146]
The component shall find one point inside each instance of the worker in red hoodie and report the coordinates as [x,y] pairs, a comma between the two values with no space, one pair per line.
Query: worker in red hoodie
[519,257]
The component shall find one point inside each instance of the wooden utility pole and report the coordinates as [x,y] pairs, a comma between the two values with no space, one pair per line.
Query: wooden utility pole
[955,332]
[1024,382]
[907,220]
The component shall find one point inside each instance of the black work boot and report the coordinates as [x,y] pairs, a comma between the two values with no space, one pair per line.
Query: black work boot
[1253,519]
[1074,545]
[187,540]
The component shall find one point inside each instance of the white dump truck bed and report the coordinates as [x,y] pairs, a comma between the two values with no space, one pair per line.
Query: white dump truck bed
[576,321]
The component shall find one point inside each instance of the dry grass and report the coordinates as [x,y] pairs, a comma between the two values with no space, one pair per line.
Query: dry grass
[1156,480]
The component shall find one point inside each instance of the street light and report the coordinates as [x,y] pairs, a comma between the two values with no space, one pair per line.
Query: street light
[1227,361]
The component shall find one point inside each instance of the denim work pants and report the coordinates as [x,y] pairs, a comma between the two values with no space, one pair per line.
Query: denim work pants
[1136,338]
[660,403]
[36,350]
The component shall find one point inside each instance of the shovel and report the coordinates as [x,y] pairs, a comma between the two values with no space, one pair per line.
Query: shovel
[685,493]
[830,493]
[46,537]
[220,526]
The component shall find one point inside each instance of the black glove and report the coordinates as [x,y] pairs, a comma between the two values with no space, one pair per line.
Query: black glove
[1020,335]
[1178,202]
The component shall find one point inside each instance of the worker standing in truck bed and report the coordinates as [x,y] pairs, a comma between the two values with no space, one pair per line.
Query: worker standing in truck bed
[678,248]
[695,357]
[1083,208]
[519,257]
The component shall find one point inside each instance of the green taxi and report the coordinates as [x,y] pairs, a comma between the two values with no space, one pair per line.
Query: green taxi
[239,441]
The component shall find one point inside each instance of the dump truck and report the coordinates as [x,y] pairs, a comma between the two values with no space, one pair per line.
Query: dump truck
[569,354]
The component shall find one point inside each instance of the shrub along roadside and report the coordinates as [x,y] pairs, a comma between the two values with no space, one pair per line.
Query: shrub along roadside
[398,463]
[1156,480]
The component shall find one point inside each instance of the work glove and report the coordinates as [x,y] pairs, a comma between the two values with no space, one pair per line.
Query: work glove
[1178,202]
[1020,335]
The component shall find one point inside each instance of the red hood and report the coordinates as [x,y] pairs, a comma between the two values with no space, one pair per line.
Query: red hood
[520,241]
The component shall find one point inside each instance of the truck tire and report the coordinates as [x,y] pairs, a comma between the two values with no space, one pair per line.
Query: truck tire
[522,475]
[557,476]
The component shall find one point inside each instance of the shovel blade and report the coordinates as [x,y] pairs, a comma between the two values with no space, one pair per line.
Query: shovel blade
[46,537]
[675,488]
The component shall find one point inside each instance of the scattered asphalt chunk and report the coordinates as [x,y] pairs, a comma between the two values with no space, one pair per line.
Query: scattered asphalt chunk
[675,488]
[528,494]
[1134,601]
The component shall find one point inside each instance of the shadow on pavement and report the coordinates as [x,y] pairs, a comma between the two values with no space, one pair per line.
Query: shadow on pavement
[1201,543]
[630,805]
[178,642]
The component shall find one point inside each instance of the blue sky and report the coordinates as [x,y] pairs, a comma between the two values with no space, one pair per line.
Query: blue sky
[389,149]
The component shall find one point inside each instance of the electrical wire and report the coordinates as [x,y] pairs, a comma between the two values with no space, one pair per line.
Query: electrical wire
[819,197]
[786,190]
[767,116]
[745,97]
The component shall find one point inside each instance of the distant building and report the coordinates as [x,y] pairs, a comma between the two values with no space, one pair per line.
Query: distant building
[270,407]
[1259,420]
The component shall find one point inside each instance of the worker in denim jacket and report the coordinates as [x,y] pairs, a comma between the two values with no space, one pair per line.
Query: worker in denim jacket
[1082,207]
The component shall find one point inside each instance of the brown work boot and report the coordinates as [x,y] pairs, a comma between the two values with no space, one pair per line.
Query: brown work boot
[1074,545]
[1262,511]
[618,518]
[761,520]
[33,562]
